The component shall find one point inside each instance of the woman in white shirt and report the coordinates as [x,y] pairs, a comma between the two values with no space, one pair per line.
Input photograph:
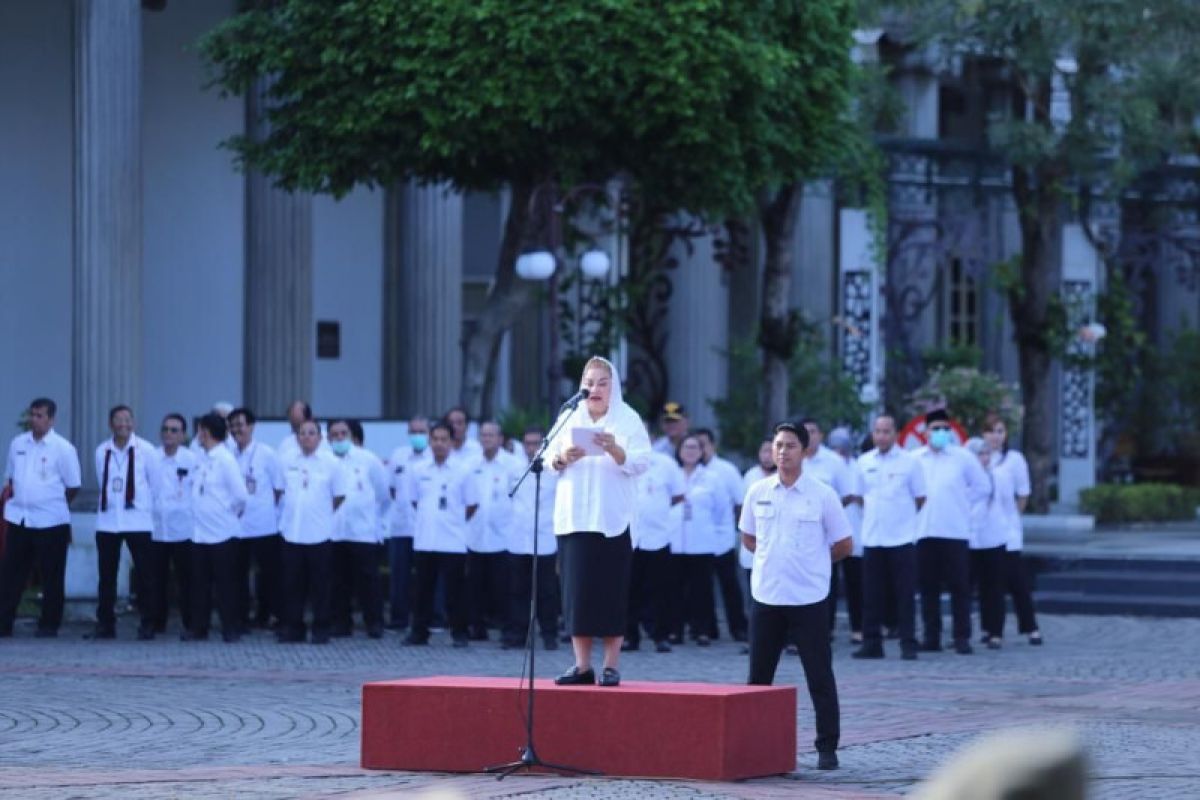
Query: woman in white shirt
[594,505]
[698,519]
[988,536]
[1012,504]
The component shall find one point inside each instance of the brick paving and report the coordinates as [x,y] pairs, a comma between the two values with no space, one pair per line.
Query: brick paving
[260,720]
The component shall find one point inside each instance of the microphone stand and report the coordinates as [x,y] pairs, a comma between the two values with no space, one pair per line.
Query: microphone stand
[529,757]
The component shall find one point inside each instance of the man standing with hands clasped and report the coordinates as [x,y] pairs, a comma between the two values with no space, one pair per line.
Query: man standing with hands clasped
[796,527]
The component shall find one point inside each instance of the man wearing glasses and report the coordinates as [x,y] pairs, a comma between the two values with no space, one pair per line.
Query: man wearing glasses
[954,480]
[172,541]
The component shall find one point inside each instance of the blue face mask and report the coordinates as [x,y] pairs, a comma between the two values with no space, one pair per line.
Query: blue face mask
[419,441]
[342,447]
[939,439]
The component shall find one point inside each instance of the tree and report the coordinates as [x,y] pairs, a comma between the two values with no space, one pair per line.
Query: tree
[692,99]
[1129,73]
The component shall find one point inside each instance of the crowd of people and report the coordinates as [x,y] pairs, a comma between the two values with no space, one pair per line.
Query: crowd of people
[295,537]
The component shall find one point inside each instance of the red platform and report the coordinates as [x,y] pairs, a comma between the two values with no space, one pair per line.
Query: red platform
[639,729]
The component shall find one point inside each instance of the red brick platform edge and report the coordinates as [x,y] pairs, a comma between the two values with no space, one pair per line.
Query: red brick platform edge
[639,729]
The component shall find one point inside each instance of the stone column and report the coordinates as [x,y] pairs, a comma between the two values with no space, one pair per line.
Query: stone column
[279,333]
[422,318]
[860,306]
[107,339]
[1081,271]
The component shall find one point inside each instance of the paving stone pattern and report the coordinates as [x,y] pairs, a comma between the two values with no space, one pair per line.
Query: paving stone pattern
[128,719]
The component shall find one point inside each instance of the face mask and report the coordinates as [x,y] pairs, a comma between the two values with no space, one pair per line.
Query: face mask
[939,439]
[419,441]
[342,447]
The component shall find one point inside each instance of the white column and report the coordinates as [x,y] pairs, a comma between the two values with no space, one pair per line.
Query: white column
[107,362]
[1081,271]
[699,330]
[423,300]
[860,335]
[279,288]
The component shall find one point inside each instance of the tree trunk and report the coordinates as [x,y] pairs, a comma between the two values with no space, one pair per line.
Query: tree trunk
[506,299]
[1040,211]
[779,327]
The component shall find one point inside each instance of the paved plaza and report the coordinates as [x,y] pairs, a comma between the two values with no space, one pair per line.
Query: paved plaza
[260,720]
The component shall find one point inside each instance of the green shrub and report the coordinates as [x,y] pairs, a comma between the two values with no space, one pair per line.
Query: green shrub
[1140,502]
[969,395]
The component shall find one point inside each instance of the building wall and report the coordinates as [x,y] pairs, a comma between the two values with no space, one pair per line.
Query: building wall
[194,222]
[35,207]
[347,274]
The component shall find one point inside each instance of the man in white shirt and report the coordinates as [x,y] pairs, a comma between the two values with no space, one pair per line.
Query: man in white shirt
[675,424]
[173,522]
[259,544]
[463,449]
[400,521]
[298,413]
[315,486]
[659,488]
[218,498]
[358,535]
[445,496]
[42,476]
[796,527]
[725,556]
[125,465]
[954,481]
[521,534]
[893,492]
[487,535]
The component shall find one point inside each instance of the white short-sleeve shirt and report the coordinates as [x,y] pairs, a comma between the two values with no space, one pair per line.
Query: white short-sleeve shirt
[41,472]
[401,513]
[652,524]
[752,476]
[1015,467]
[725,473]
[794,528]
[701,514]
[989,523]
[891,484]
[520,529]
[312,481]
[218,496]
[360,516]
[262,476]
[442,494]
[173,521]
[487,532]
[113,514]
[954,480]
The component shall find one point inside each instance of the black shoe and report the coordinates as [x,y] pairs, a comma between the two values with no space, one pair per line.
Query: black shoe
[375,631]
[703,641]
[42,633]
[193,636]
[459,642]
[891,633]
[675,638]
[341,631]
[6,633]
[415,641]
[963,647]
[550,643]
[319,638]
[994,643]
[232,637]
[565,638]
[792,650]
[145,634]
[745,650]
[1035,638]
[908,652]
[479,635]
[827,759]
[397,626]
[871,650]
[740,636]
[662,646]
[577,677]
[102,632]
[610,677]
[931,646]
[628,646]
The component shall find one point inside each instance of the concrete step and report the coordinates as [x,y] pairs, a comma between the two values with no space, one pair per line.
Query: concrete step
[1143,605]
[1122,582]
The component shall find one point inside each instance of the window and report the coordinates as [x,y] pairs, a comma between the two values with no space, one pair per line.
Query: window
[961,317]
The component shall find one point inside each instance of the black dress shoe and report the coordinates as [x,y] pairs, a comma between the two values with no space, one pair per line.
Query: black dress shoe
[43,633]
[375,631]
[397,626]
[740,636]
[577,677]
[872,650]
[479,635]
[610,677]
[415,641]
[662,646]
[319,638]
[908,652]
[193,636]
[459,641]
[629,647]
[827,759]
[231,637]
[340,631]
[102,632]
[703,641]
[1035,638]
[145,634]
[675,638]
[963,647]
[931,646]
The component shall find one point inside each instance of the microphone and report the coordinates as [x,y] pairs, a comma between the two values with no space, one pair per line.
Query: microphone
[573,402]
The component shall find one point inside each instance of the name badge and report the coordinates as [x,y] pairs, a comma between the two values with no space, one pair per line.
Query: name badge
[251,485]
[116,485]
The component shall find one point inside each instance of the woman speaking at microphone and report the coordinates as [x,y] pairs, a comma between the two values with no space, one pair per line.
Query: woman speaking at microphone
[602,449]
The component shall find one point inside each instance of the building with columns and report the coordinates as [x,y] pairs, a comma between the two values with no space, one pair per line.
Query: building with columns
[141,267]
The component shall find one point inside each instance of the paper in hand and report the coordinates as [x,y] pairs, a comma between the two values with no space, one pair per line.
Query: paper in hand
[584,438]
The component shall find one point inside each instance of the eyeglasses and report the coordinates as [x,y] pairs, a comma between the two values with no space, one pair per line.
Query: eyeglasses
[169,429]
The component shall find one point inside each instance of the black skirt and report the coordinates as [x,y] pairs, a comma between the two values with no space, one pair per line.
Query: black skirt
[595,577]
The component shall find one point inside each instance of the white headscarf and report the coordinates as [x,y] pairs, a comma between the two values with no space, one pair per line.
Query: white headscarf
[616,399]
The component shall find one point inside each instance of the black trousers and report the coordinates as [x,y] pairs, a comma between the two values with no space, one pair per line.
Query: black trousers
[987,576]
[400,565]
[889,585]
[807,627]
[944,563]
[307,580]
[650,595]
[262,554]
[725,567]
[214,570]
[1016,579]
[693,596]
[108,550]
[24,547]
[487,591]
[356,574]
[520,581]
[847,577]
[450,570]
[172,560]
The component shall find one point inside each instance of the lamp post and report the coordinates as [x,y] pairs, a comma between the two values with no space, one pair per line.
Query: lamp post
[542,265]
